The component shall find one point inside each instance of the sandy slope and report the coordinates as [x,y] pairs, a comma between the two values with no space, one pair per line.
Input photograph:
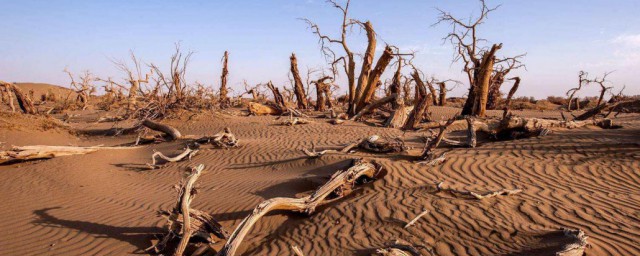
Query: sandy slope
[104,203]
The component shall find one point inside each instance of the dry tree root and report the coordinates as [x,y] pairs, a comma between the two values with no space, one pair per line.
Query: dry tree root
[373,143]
[428,156]
[395,248]
[294,121]
[340,185]
[575,248]
[26,153]
[188,153]
[502,192]
[170,131]
[223,139]
[194,225]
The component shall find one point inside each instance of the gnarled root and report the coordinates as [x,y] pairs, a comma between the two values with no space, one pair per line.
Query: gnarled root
[479,196]
[223,139]
[187,153]
[340,185]
[170,131]
[196,225]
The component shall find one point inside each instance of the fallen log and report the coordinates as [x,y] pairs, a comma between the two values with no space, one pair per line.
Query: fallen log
[26,153]
[340,185]
[478,196]
[261,109]
[431,144]
[188,153]
[374,144]
[294,121]
[223,139]
[186,223]
[170,131]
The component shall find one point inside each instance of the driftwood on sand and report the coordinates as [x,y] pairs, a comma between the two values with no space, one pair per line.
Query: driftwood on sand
[170,131]
[187,153]
[374,144]
[577,245]
[195,224]
[475,195]
[340,185]
[26,153]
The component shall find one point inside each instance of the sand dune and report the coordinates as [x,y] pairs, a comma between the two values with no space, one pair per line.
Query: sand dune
[104,203]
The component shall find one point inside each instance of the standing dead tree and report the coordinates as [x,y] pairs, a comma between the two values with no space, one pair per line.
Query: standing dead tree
[514,88]
[24,101]
[603,88]
[478,61]
[84,89]
[134,81]
[497,79]
[421,106]
[582,80]
[368,81]
[323,93]
[298,87]
[224,99]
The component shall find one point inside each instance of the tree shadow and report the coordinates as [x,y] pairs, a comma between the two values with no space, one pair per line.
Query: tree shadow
[139,237]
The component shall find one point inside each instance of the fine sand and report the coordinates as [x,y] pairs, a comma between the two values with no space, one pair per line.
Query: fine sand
[105,203]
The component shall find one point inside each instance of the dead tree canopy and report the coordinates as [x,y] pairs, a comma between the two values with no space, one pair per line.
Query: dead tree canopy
[601,81]
[582,80]
[358,97]
[479,61]
[298,87]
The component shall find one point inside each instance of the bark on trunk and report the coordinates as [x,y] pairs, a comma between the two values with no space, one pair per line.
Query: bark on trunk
[301,97]
[421,104]
[443,94]
[224,99]
[374,77]
[367,59]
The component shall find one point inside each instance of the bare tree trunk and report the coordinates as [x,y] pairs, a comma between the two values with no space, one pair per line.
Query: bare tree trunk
[443,94]
[374,78]
[483,80]
[25,103]
[224,99]
[277,96]
[367,59]
[514,88]
[494,90]
[421,104]
[432,90]
[9,95]
[301,97]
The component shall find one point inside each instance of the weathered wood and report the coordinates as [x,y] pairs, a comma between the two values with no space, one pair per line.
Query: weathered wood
[224,99]
[575,248]
[298,88]
[427,152]
[475,195]
[172,132]
[24,101]
[413,221]
[514,88]
[420,107]
[26,153]
[187,153]
[194,223]
[258,109]
[340,185]
[374,77]
[374,105]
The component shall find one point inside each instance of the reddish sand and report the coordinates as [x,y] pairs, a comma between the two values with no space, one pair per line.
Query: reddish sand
[104,203]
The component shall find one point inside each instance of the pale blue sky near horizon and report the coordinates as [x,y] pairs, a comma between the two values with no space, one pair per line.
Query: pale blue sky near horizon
[41,38]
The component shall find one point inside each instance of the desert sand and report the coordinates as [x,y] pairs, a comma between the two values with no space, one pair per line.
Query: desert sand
[105,203]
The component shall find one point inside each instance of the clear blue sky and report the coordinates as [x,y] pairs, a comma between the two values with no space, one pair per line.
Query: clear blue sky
[41,38]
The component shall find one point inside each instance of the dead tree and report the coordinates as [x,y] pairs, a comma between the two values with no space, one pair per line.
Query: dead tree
[399,112]
[84,89]
[514,88]
[224,99]
[360,96]
[478,61]
[497,79]
[442,90]
[582,80]
[277,96]
[432,91]
[298,87]
[603,88]
[421,105]
[341,184]
[323,93]
[134,81]
[24,101]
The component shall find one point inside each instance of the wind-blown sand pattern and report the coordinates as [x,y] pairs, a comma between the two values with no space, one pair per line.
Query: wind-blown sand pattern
[104,203]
